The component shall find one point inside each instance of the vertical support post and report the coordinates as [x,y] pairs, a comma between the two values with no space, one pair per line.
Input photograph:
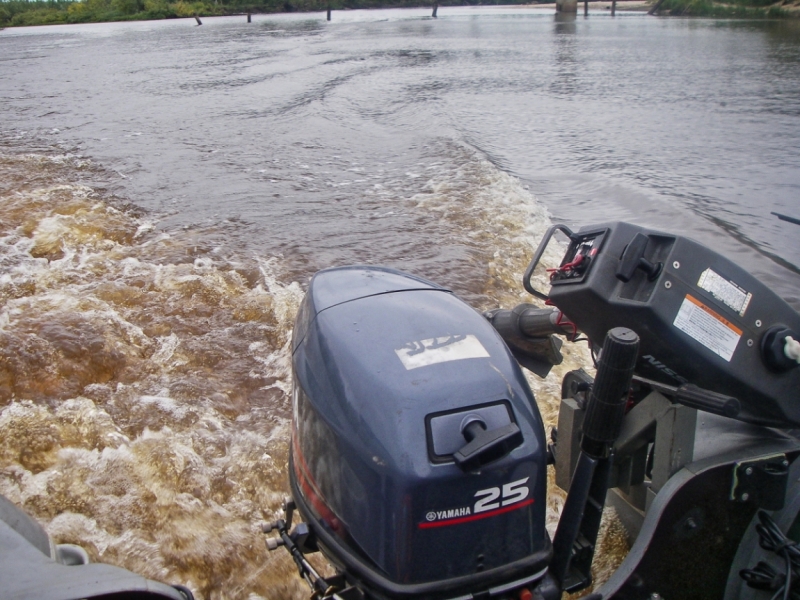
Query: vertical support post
[567,6]
[568,448]
[576,535]
[329,13]
[674,443]
[248,18]
[196,18]
[613,7]
[435,8]
[585,8]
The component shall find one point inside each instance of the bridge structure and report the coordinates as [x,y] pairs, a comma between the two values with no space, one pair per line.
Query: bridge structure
[571,6]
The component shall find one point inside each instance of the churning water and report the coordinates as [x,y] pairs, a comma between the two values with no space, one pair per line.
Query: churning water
[167,190]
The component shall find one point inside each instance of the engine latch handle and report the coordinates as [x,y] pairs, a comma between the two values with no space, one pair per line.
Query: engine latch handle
[633,258]
[485,446]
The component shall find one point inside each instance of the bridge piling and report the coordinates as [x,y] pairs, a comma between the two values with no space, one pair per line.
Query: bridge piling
[567,6]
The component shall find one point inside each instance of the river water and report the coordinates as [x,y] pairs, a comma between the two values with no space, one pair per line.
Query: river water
[168,189]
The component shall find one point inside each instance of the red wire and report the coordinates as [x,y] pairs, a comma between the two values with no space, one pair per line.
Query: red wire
[561,321]
[567,267]
[567,323]
[578,260]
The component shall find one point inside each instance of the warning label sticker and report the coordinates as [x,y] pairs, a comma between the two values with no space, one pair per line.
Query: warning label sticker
[712,330]
[725,291]
[438,350]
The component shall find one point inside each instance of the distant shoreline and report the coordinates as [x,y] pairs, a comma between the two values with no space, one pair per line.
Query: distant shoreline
[24,13]
[628,5]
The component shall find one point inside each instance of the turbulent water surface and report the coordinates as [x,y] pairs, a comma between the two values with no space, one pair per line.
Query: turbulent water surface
[166,191]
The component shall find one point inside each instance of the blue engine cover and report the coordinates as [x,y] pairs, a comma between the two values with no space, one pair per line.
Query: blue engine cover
[387,367]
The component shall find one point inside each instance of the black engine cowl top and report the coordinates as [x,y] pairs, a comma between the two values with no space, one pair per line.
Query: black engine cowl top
[415,434]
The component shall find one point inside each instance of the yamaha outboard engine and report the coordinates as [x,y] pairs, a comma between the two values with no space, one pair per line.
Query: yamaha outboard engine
[418,456]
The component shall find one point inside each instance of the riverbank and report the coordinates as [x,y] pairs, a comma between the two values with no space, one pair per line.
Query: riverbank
[624,5]
[745,9]
[21,13]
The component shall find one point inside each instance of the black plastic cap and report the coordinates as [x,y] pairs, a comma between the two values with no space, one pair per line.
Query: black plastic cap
[606,406]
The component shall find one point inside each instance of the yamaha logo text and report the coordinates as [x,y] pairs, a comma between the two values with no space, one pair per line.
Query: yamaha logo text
[488,503]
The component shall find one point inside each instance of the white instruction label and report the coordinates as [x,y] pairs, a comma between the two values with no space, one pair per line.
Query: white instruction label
[712,330]
[441,349]
[725,291]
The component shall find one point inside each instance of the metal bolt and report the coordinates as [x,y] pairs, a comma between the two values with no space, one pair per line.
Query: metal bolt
[691,523]
[655,596]
[667,284]
[758,322]
[750,343]
[748,471]
[676,265]
[745,497]
[785,463]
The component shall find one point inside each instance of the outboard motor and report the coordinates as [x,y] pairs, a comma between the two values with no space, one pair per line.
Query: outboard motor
[418,456]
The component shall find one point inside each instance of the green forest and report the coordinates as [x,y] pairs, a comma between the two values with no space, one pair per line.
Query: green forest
[45,12]
[737,9]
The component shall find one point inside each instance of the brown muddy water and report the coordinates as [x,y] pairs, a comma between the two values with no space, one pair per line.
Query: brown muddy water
[166,192]
[145,381]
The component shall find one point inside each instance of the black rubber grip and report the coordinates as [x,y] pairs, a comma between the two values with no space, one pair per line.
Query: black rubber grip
[606,406]
[536,322]
[709,401]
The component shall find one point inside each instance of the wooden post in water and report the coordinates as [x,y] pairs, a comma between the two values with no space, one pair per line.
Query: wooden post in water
[585,8]
[196,18]
[248,18]
[613,7]
[329,13]
[435,8]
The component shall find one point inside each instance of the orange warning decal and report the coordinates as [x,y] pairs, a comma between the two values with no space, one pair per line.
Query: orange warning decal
[714,314]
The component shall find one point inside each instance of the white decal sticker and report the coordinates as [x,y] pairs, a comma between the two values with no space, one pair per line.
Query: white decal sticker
[441,349]
[725,291]
[712,330]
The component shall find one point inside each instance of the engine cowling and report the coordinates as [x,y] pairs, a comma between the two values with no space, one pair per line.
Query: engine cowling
[391,375]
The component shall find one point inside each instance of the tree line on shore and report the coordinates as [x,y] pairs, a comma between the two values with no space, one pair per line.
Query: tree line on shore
[45,12]
[737,9]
